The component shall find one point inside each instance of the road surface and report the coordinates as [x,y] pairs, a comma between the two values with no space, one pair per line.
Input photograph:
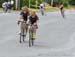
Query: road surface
[55,36]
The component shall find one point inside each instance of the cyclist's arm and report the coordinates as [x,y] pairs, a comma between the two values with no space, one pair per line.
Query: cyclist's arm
[36,23]
[28,20]
[19,19]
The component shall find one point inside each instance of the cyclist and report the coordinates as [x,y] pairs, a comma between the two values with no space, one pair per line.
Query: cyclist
[12,3]
[4,5]
[23,17]
[42,8]
[62,10]
[9,6]
[33,18]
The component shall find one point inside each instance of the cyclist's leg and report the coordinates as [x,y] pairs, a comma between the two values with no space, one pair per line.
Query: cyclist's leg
[42,11]
[25,32]
[5,10]
[26,29]
[20,28]
[62,13]
[34,35]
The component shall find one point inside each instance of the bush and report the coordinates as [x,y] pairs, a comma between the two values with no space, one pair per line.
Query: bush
[1,1]
[55,4]
[65,4]
[72,2]
[34,6]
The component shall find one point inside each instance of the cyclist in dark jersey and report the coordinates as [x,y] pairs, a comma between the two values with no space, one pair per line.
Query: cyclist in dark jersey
[23,17]
[62,10]
[33,18]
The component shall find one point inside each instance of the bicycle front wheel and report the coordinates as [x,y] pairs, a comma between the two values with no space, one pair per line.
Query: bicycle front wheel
[30,38]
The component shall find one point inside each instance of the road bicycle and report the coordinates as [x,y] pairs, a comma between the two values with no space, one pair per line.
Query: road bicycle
[23,31]
[31,35]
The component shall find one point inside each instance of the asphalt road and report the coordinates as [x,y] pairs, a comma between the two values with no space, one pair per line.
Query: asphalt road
[55,36]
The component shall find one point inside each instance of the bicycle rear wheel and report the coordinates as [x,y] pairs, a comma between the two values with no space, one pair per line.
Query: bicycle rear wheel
[31,39]
[24,31]
[23,36]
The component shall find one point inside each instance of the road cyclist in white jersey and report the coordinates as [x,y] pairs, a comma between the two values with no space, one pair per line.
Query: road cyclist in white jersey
[42,9]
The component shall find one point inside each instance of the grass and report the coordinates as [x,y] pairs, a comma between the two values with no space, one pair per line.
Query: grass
[51,9]
[70,7]
[37,10]
[48,9]
[0,9]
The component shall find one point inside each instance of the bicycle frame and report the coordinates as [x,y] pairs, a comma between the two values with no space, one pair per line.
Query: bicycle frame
[31,31]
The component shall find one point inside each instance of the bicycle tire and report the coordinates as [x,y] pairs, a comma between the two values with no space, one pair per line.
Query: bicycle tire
[32,39]
[23,35]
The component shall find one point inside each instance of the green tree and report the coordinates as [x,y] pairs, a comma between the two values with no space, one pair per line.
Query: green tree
[32,2]
[59,2]
[1,1]
[64,2]
[72,2]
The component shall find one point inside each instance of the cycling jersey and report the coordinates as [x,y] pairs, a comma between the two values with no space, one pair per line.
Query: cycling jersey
[33,19]
[61,8]
[24,15]
[41,6]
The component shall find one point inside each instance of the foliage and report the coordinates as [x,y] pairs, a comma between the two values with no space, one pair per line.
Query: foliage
[33,2]
[64,2]
[72,2]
